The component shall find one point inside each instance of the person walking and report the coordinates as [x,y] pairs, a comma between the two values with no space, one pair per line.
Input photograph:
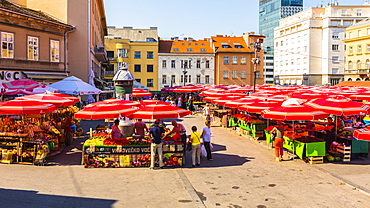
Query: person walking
[207,112]
[140,128]
[155,134]
[206,135]
[279,141]
[116,132]
[194,138]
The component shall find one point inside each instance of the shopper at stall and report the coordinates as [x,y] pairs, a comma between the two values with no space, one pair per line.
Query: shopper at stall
[206,135]
[155,134]
[279,141]
[116,132]
[330,133]
[68,129]
[194,138]
[140,128]
[180,129]
[207,112]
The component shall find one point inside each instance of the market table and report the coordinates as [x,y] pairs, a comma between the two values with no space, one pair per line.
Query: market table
[305,146]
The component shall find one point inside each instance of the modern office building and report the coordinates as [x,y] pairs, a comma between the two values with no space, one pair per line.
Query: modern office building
[309,47]
[357,65]
[270,12]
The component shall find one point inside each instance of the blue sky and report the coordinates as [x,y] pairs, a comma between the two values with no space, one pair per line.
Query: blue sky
[193,18]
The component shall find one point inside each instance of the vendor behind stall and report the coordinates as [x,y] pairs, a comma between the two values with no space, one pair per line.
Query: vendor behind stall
[116,132]
[180,129]
[330,133]
[310,127]
[140,128]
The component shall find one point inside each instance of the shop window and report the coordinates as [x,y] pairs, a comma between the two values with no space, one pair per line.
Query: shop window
[7,45]
[33,48]
[54,51]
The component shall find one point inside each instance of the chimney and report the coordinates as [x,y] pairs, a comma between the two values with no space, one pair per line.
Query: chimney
[176,38]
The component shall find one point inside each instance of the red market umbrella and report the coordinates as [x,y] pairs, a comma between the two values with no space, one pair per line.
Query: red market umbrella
[48,98]
[258,107]
[339,106]
[240,102]
[223,100]
[105,111]
[293,113]
[25,107]
[159,112]
[70,97]
[140,93]
[116,101]
[308,96]
[22,84]
[360,96]
[188,89]
[213,93]
[211,98]
[153,102]
[362,134]
[277,98]
[17,92]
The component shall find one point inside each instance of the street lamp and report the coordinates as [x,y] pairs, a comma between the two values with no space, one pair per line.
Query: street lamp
[184,72]
[256,61]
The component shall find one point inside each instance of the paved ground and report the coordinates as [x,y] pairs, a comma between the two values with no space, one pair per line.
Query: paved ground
[243,174]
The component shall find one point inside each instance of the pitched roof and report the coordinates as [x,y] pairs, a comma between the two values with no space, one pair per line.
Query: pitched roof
[185,46]
[6,5]
[165,46]
[230,44]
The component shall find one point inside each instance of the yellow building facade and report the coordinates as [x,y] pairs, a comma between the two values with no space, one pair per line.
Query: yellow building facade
[117,53]
[358,52]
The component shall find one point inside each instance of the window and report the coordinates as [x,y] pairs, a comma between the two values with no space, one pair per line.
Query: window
[149,55]
[344,12]
[33,48]
[367,64]
[335,35]
[164,64]
[358,64]
[198,64]
[243,74]
[119,64]
[335,59]
[359,49]
[350,35]
[175,49]
[235,74]
[137,68]
[7,45]
[206,80]
[189,49]
[226,74]
[207,64]
[173,64]
[350,65]
[359,33]
[258,75]
[198,79]
[298,61]
[149,83]
[185,78]
[202,49]
[189,78]
[182,79]
[292,61]
[173,79]
[235,60]
[137,55]
[149,68]
[359,12]
[305,48]
[226,60]
[350,50]
[368,31]
[335,47]
[122,53]
[243,60]
[54,51]
[368,48]
[335,71]
[138,80]
[164,79]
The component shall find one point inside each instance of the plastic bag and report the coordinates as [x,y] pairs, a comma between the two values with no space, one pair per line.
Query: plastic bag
[211,145]
[203,151]
[189,146]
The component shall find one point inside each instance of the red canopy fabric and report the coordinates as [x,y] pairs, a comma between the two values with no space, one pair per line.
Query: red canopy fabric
[116,101]
[105,111]
[339,106]
[48,98]
[159,111]
[362,134]
[25,107]
[140,93]
[240,102]
[21,84]
[188,89]
[293,113]
[258,107]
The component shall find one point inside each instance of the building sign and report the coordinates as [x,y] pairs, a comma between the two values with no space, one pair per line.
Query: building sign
[8,76]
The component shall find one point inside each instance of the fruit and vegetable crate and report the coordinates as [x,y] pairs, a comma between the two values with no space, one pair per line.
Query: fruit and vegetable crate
[315,160]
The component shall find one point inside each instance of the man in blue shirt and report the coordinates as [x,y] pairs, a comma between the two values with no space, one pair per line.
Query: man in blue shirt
[156,135]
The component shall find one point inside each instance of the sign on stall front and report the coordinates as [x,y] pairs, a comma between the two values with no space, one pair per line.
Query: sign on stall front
[8,76]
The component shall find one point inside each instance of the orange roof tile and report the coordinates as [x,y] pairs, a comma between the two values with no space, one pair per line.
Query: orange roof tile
[354,83]
[230,44]
[194,46]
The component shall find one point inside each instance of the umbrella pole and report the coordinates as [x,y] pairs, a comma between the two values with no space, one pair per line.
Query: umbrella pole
[293,142]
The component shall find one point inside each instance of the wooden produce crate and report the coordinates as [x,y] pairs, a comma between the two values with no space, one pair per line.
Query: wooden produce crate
[315,160]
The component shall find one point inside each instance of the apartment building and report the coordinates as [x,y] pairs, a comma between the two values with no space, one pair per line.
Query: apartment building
[33,44]
[309,47]
[182,62]
[86,50]
[357,66]
[139,49]
[233,60]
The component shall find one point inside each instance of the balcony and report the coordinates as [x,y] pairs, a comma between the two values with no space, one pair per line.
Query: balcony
[100,52]
[109,73]
[357,71]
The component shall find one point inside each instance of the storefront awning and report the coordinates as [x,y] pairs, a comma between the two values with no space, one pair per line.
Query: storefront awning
[46,75]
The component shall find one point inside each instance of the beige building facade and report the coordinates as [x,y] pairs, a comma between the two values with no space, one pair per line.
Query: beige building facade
[86,50]
[33,45]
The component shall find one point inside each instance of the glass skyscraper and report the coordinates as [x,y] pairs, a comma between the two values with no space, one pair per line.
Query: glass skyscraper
[271,11]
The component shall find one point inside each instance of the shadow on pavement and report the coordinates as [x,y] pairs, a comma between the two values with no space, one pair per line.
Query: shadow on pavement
[71,155]
[23,198]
